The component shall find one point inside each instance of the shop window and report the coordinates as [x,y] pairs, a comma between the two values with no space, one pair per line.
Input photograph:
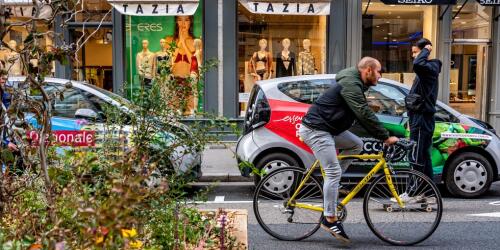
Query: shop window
[273,46]
[93,11]
[9,55]
[473,21]
[94,61]
[389,32]
[147,43]
[471,29]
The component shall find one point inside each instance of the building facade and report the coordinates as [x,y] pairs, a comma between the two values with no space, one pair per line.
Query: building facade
[262,39]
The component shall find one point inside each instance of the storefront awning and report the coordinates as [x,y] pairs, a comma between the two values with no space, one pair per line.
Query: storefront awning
[489,2]
[422,2]
[285,7]
[155,7]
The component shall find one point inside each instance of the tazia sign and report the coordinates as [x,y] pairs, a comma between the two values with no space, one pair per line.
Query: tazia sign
[284,7]
[155,8]
[426,2]
[76,138]
[24,8]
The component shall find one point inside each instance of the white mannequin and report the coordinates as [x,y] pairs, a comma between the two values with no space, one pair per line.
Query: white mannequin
[144,61]
[160,56]
[306,61]
[13,61]
[261,62]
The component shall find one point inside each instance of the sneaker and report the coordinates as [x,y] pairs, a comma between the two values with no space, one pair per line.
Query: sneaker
[430,200]
[408,199]
[336,229]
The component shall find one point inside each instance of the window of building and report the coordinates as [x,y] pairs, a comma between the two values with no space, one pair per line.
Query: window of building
[389,32]
[93,62]
[147,43]
[273,46]
[471,30]
[93,11]
[9,55]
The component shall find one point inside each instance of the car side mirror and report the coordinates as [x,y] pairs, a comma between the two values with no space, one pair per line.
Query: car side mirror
[88,114]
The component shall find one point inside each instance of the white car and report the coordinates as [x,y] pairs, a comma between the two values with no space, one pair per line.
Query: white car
[465,152]
[78,120]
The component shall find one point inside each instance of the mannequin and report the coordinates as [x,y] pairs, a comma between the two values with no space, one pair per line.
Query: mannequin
[144,63]
[162,57]
[305,62]
[285,61]
[261,62]
[13,60]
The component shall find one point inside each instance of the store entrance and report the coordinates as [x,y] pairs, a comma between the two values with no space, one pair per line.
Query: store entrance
[468,82]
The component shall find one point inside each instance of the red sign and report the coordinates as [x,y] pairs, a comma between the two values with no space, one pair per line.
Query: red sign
[285,121]
[76,138]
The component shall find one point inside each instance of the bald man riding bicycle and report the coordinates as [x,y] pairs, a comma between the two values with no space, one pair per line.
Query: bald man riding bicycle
[325,128]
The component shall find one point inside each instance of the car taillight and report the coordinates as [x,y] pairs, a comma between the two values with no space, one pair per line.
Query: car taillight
[258,113]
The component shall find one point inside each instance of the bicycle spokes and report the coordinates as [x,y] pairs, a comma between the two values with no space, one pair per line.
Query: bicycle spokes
[408,224]
[277,214]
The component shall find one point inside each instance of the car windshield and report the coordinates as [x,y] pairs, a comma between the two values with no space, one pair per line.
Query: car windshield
[115,97]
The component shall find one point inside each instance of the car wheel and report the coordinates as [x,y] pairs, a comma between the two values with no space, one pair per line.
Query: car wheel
[274,161]
[469,175]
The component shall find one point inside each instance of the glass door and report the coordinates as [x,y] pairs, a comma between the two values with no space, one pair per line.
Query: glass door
[468,78]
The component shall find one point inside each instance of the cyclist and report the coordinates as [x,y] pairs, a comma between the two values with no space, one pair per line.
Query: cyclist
[325,128]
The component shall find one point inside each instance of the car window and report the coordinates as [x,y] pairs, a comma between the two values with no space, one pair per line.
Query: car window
[306,91]
[444,116]
[386,100]
[72,101]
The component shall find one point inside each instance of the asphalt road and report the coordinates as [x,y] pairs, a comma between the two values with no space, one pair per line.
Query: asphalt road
[466,223]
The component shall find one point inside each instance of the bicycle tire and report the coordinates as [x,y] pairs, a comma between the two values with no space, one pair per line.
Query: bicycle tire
[271,228]
[414,228]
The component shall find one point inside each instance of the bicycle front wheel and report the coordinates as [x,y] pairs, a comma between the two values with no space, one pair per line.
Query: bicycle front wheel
[282,221]
[410,224]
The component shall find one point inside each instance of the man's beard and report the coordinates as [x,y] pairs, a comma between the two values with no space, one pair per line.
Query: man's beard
[371,80]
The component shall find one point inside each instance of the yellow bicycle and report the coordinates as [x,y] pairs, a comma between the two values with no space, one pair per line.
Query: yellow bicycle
[401,207]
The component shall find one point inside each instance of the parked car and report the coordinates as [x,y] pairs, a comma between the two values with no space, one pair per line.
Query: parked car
[80,114]
[465,153]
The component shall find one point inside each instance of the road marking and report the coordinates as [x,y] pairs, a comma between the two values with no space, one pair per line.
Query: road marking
[496,215]
[495,203]
[219,202]
[219,199]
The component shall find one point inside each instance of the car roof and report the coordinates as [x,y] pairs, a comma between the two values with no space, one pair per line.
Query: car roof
[265,84]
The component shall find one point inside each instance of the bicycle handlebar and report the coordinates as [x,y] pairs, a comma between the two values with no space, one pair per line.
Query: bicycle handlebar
[406,144]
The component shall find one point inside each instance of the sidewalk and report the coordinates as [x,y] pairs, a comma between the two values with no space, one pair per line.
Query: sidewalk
[219,164]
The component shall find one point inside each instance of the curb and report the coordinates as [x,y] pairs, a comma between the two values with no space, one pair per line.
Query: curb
[225,178]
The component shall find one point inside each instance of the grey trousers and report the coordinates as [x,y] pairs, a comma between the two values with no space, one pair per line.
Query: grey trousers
[324,145]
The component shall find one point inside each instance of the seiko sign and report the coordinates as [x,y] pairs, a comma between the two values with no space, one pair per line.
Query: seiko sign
[288,7]
[424,2]
[155,8]
[489,2]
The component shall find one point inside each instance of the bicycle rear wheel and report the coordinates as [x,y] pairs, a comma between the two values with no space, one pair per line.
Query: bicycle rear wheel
[274,215]
[407,225]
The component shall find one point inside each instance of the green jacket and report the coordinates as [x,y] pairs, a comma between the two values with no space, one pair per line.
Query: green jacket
[353,92]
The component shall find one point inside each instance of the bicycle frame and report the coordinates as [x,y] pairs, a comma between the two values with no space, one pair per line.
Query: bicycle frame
[381,164]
